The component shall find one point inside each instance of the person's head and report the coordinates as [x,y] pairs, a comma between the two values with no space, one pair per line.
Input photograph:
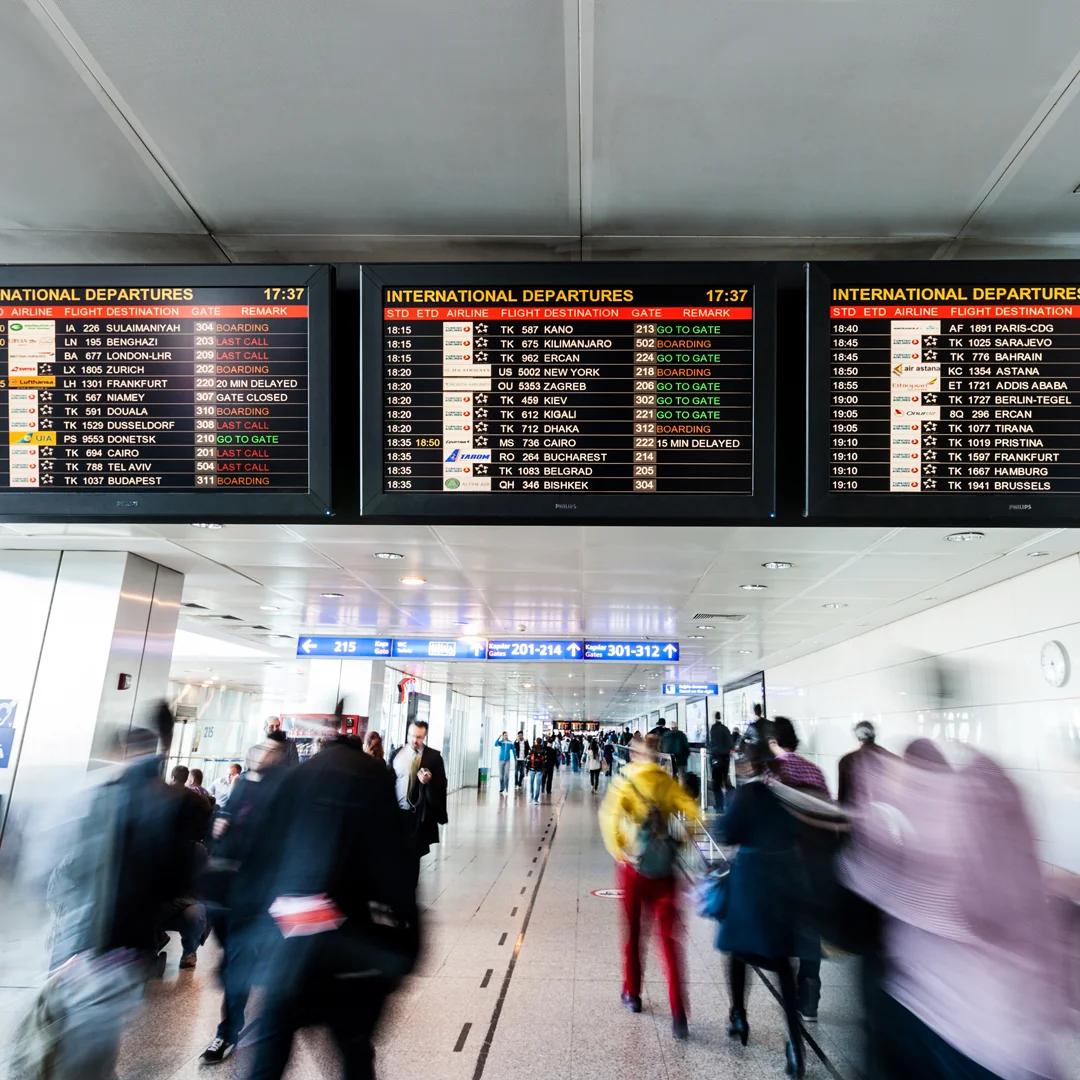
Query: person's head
[754,750]
[717,716]
[640,750]
[195,778]
[865,733]
[504,736]
[265,755]
[273,723]
[783,734]
[661,722]
[757,712]
[180,775]
[418,730]
[521,734]
[234,770]
[373,744]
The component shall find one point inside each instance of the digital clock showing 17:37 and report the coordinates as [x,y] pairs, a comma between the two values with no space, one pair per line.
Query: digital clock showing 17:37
[727,296]
[284,292]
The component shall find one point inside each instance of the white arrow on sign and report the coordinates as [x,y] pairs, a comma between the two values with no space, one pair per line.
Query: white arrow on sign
[573,648]
[308,646]
[670,650]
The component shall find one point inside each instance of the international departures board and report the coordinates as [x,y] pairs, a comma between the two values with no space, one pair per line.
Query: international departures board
[162,390]
[542,392]
[942,389]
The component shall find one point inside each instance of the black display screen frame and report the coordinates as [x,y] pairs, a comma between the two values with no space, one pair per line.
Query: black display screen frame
[568,507]
[225,505]
[824,505]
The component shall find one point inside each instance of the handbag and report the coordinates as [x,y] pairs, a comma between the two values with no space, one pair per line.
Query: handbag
[711,894]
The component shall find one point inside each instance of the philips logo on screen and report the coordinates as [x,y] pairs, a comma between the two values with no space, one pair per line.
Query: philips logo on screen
[457,455]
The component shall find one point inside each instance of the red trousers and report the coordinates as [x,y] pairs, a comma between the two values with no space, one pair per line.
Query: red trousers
[659,894]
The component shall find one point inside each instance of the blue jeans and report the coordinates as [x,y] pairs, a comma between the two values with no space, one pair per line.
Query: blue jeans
[191,922]
[504,774]
[575,762]
[536,781]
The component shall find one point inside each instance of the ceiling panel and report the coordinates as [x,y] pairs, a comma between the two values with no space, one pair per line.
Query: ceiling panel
[67,166]
[388,116]
[809,119]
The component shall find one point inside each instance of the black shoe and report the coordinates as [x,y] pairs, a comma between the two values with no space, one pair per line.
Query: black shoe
[632,1002]
[218,1050]
[809,997]
[738,1026]
[796,1063]
[679,1028]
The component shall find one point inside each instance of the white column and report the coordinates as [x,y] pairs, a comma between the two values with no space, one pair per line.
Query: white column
[110,619]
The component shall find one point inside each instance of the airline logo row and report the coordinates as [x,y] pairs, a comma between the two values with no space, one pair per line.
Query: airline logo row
[659,652]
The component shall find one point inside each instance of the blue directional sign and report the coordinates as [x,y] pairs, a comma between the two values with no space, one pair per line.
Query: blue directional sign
[691,689]
[521,649]
[660,652]
[357,647]
[440,648]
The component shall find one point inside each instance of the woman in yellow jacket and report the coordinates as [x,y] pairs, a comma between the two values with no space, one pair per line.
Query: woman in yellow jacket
[633,822]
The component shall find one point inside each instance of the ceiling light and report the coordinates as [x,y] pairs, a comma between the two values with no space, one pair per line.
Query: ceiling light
[206,525]
[526,686]
[268,607]
[642,686]
[745,652]
[754,588]
[777,565]
[704,626]
[1038,554]
[571,675]
[599,691]
[412,580]
[388,555]
[695,637]
[332,595]
[964,537]
[833,605]
[929,597]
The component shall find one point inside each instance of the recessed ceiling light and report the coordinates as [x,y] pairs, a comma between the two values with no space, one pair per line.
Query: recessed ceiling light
[412,580]
[964,537]
[388,555]
[599,691]
[571,675]
[268,607]
[332,595]
[754,588]
[695,637]
[642,686]
[745,652]
[1038,554]
[526,686]
[206,525]
[833,605]
[929,597]
[704,626]
[777,565]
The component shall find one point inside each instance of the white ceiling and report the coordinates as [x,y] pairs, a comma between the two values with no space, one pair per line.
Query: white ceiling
[624,582]
[555,129]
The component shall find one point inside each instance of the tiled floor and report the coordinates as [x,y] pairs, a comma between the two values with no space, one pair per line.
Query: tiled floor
[544,992]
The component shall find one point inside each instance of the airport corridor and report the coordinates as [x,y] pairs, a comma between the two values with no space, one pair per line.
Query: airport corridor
[521,974]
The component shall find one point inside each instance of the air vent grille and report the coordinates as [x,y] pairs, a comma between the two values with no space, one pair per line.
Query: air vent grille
[195,607]
[702,616]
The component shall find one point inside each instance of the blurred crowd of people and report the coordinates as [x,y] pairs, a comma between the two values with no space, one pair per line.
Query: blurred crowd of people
[925,867]
[305,872]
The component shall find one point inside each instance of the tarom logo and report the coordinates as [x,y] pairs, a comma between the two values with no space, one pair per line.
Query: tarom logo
[453,455]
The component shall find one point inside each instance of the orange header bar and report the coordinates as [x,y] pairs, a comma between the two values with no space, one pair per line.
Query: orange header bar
[958,311]
[577,314]
[154,311]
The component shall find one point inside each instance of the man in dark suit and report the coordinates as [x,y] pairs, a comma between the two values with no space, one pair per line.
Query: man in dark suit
[720,747]
[331,863]
[420,786]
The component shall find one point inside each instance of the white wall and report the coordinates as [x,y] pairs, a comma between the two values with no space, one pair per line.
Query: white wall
[989,645]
